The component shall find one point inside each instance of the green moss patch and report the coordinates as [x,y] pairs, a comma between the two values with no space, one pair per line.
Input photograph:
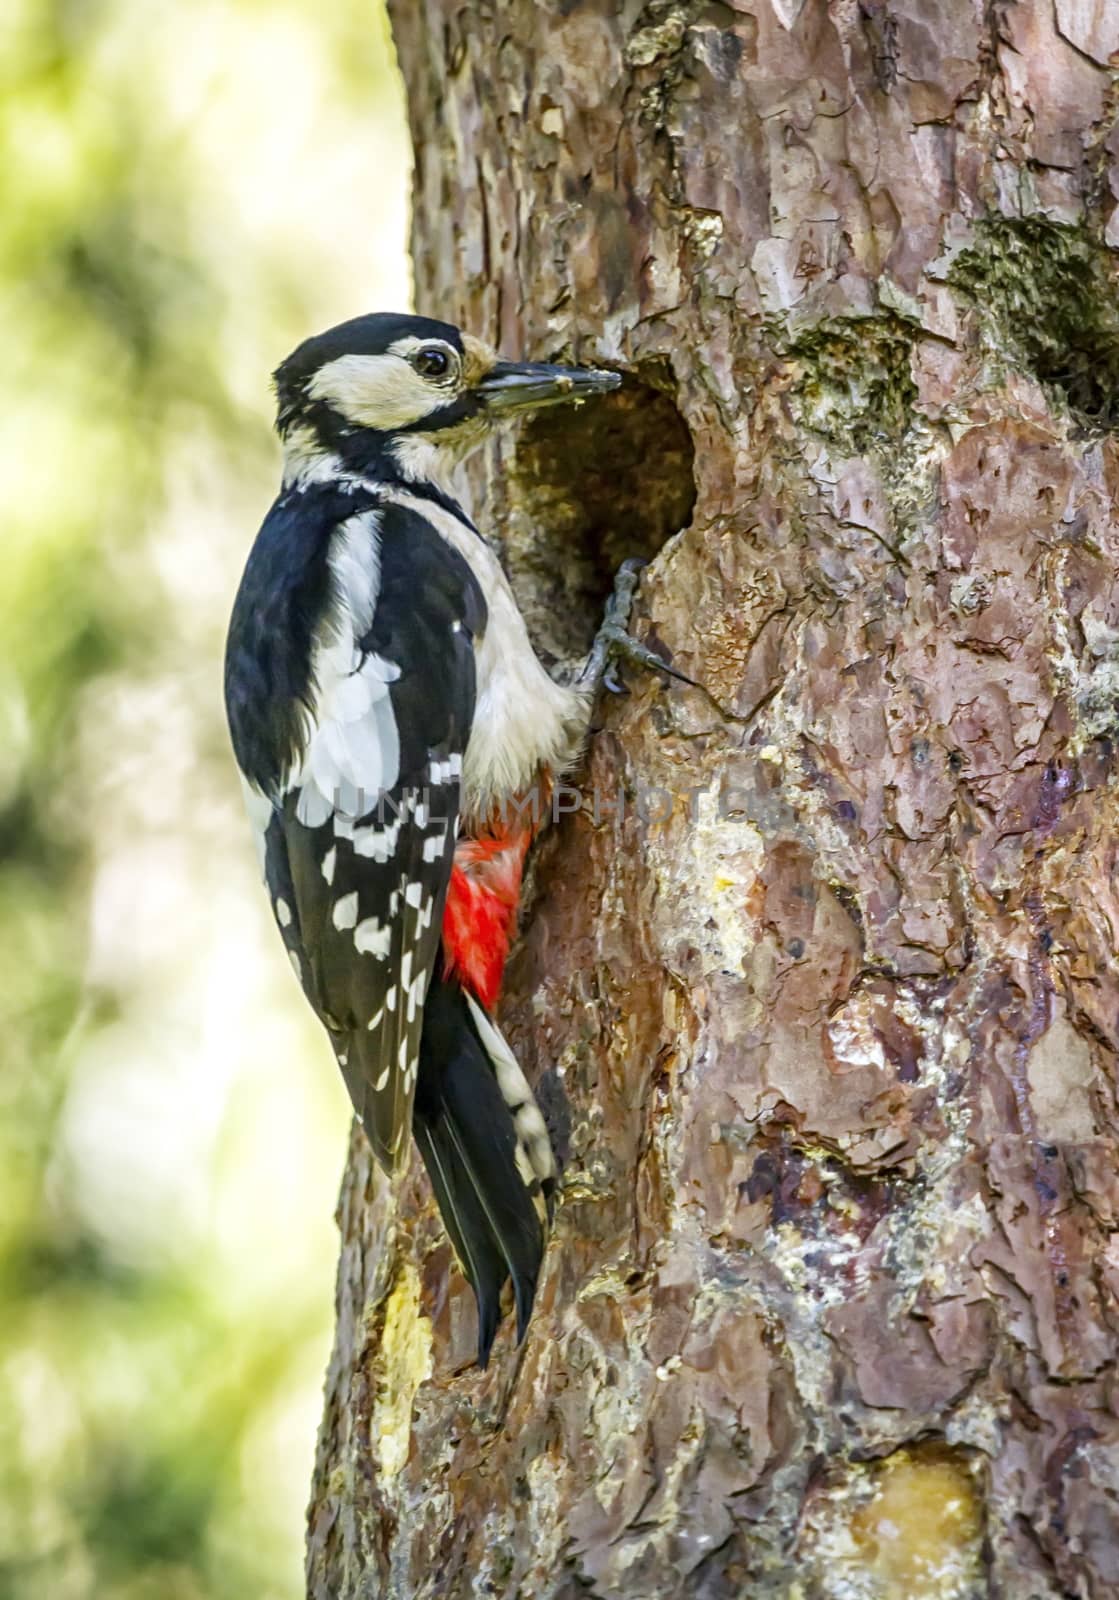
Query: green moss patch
[1049,296]
[853,383]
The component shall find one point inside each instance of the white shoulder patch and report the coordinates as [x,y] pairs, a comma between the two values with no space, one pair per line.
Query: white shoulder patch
[352,753]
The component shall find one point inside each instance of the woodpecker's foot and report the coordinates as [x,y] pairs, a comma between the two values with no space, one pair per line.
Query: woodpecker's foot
[614,645]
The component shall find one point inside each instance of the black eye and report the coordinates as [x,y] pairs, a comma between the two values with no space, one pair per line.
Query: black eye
[433,361]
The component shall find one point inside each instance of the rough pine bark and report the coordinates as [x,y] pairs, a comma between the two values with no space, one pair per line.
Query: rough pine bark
[823,1002]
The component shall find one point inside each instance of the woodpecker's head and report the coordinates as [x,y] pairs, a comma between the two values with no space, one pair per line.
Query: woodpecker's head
[407,393]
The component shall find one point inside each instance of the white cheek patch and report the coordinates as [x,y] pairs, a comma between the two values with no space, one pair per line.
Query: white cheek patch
[383,392]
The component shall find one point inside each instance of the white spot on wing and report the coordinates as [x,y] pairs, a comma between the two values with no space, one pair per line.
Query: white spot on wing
[283,912]
[379,844]
[373,938]
[416,990]
[329,862]
[434,845]
[344,914]
[443,769]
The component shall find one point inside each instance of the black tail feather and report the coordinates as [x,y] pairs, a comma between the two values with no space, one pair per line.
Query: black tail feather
[468,1141]
[465,1222]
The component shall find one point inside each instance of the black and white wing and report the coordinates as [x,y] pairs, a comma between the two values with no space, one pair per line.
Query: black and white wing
[358,852]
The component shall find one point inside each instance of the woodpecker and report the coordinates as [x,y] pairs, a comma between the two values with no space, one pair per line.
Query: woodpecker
[389,717]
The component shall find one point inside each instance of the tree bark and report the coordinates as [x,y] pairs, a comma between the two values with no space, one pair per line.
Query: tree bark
[827,1037]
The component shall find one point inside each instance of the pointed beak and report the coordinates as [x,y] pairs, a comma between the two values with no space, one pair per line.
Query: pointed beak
[514,386]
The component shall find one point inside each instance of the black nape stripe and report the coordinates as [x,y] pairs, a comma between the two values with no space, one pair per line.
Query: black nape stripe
[372,455]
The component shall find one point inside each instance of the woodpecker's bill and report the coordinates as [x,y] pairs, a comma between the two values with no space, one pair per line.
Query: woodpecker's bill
[387,712]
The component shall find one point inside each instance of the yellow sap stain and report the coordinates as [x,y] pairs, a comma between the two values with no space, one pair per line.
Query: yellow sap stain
[918,1535]
[405,1363]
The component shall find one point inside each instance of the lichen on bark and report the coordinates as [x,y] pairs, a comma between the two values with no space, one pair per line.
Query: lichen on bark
[1048,296]
[853,384]
[828,1045]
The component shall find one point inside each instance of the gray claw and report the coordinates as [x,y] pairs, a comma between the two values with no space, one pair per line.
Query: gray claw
[613,643]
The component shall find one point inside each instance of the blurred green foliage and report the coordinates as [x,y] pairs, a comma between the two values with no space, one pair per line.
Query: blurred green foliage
[186,191]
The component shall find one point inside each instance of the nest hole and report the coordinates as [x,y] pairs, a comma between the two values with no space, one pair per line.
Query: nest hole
[589,489]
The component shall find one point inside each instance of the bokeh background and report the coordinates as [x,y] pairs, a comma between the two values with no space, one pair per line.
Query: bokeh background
[188,189]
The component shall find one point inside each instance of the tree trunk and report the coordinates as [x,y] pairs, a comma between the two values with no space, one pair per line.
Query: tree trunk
[823,1001]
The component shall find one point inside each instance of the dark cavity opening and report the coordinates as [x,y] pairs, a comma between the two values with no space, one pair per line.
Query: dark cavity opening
[589,489]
